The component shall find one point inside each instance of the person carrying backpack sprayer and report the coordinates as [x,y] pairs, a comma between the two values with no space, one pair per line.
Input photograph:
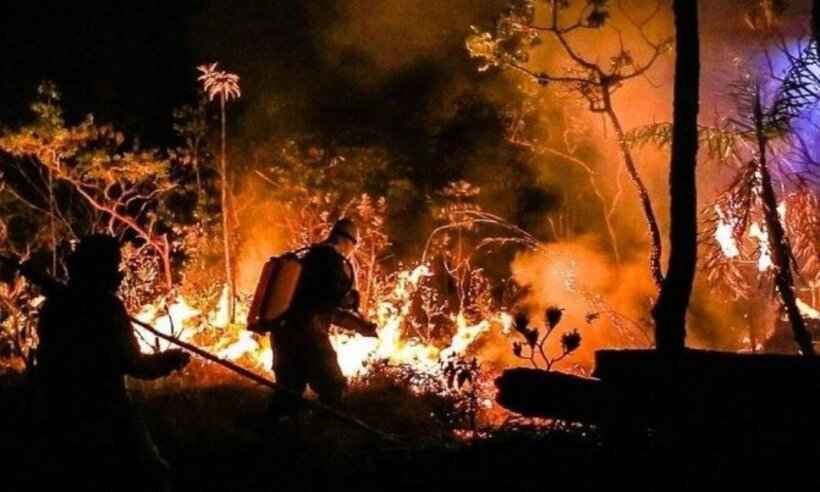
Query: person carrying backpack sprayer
[299,295]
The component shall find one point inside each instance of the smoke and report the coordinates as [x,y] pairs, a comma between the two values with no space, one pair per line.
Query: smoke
[387,36]
[607,303]
[261,233]
[394,76]
[728,47]
[388,76]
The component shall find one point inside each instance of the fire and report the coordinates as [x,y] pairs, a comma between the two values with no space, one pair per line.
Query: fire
[726,240]
[764,260]
[724,235]
[356,353]
[170,322]
[465,336]
[807,311]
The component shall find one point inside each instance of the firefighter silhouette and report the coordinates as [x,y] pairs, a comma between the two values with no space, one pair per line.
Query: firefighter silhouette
[324,295]
[87,347]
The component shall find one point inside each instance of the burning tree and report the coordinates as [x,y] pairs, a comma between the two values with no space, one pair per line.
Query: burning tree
[760,142]
[519,32]
[225,86]
[753,194]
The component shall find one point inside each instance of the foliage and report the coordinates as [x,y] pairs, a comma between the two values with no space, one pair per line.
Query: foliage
[458,401]
[119,189]
[719,142]
[533,348]
[219,83]
[315,187]
[191,125]
[100,181]
[519,32]
[18,320]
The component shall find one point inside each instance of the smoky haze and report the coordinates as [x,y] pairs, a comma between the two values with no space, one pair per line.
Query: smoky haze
[396,76]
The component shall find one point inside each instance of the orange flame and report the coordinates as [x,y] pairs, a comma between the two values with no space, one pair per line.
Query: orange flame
[355,352]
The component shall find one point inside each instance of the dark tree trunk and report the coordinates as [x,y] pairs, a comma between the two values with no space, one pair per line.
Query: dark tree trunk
[669,312]
[778,241]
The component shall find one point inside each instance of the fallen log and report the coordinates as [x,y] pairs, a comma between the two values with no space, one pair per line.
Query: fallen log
[712,390]
[552,394]
[742,401]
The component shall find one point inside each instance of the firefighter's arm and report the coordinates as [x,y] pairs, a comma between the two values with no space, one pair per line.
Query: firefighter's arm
[147,366]
[153,366]
[352,321]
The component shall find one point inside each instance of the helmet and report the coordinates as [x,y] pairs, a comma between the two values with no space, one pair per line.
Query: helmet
[345,228]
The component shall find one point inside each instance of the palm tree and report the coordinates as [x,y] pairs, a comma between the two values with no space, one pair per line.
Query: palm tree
[781,250]
[225,85]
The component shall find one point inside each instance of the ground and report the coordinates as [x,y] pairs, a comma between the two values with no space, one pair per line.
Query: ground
[202,433]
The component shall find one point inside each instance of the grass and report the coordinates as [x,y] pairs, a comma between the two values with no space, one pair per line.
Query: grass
[198,430]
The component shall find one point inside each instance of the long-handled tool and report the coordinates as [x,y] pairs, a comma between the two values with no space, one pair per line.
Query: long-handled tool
[52,287]
[264,381]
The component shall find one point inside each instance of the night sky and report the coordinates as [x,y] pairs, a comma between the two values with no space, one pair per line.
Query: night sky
[131,63]
[126,62]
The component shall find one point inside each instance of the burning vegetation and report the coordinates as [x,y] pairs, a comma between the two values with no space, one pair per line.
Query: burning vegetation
[65,179]
[511,210]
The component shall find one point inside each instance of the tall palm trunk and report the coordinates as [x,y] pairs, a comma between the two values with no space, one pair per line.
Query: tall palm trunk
[226,229]
[196,170]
